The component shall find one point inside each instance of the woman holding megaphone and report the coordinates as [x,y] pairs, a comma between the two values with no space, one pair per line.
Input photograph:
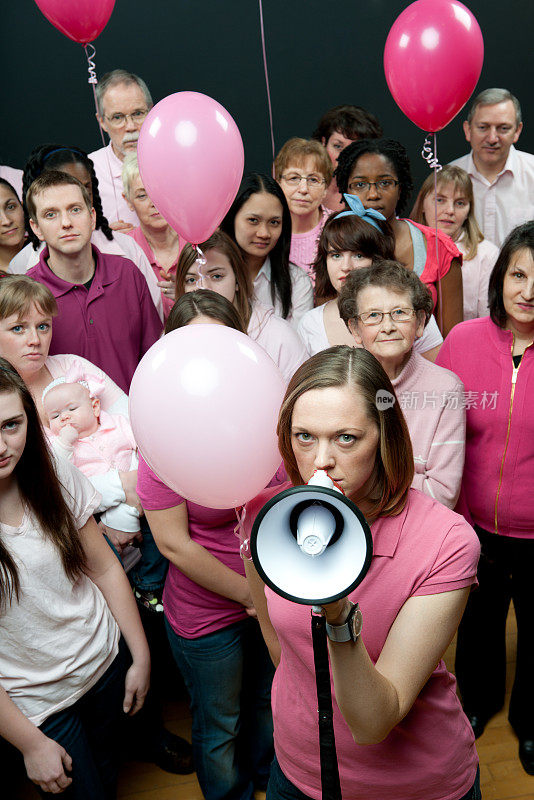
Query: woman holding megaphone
[400,730]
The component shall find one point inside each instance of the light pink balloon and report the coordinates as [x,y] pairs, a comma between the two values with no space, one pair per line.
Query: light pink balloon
[432,60]
[204,405]
[191,161]
[80,20]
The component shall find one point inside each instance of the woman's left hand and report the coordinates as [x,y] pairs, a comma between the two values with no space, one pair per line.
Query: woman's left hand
[167,287]
[136,687]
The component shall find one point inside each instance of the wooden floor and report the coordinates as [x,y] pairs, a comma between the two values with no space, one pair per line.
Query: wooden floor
[502,775]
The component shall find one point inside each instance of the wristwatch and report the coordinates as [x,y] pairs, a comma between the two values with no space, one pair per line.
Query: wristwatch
[351,628]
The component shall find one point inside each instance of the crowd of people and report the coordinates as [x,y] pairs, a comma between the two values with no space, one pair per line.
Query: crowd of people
[351,296]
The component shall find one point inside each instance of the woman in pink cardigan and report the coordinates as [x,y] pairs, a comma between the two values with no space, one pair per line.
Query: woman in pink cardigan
[386,308]
[494,358]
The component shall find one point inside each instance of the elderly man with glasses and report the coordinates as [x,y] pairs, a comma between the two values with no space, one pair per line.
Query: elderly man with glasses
[123,101]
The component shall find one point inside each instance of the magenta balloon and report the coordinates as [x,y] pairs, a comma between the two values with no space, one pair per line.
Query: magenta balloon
[204,405]
[191,161]
[432,60]
[80,20]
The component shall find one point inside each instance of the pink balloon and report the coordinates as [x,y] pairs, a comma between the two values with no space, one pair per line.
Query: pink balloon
[191,161]
[432,60]
[204,405]
[80,20]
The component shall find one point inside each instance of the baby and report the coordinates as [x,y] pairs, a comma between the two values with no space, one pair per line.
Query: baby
[93,440]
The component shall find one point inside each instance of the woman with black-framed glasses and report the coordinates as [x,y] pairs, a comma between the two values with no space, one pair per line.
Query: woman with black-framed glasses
[386,308]
[378,172]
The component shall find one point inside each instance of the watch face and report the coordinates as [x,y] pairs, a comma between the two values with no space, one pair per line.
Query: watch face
[356,624]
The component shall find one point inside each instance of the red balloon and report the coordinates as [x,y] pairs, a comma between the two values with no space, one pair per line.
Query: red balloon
[80,20]
[432,61]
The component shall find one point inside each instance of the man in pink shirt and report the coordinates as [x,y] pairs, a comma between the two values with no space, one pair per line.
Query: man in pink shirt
[123,101]
[106,313]
[503,177]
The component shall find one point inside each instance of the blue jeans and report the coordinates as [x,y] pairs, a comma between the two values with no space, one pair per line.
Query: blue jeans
[88,730]
[149,573]
[280,788]
[228,674]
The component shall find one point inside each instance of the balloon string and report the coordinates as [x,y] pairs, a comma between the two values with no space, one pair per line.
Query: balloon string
[200,261]
[267,78]
[431,157]
[93,80]
[239,530]
[437,167]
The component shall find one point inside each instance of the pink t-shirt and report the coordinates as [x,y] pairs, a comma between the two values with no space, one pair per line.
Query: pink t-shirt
[430,755]
[304,245]
[192,610]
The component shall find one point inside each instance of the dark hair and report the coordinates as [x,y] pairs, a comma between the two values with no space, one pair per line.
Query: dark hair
[7,184]
[354,122]
[48,179]
[40,492]
[359,370]
[54,156]
[521,237]
[203,302]
[395,153]
[388,275]
[349,233]
[256,183]
[219,241]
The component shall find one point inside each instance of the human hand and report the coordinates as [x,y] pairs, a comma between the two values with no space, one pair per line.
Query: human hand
[120,539]
[168,288]
[136,687]
[46,764]
[129,485]
[121,225]
[68,434]
[336,613]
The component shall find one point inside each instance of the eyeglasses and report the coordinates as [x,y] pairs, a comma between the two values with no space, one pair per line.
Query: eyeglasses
[118,120]
[396,315]
[313,181]
[385,184]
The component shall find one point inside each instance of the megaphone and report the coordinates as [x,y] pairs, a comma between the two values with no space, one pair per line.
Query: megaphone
[310,544]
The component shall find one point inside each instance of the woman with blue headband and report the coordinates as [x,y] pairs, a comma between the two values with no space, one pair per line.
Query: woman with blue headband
[350,240]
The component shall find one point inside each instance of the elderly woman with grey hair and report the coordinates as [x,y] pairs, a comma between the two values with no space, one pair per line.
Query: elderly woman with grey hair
[154,235]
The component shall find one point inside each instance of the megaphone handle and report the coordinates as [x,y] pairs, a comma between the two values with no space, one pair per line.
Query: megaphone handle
[330,785]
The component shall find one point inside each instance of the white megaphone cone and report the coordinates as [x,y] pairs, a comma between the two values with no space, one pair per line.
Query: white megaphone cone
[310,543]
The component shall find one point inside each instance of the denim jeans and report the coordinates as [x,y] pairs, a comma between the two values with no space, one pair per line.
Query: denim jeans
[228,674]
[149,573]
[280,788]
[88,730]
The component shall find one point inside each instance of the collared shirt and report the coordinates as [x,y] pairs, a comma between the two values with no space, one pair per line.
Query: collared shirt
[508,201]
[108,168]
[112,324]
[301,291]
[161,273]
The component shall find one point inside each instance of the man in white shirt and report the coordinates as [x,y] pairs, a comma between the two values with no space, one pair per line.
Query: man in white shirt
[503,177]
[123,101]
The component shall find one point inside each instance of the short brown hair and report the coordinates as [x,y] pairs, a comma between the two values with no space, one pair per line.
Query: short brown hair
[461,182]
[48,179]
[219,241]
[203,302]
[389,275]
[19,292]
[359,370]
[295,150]
[354,234]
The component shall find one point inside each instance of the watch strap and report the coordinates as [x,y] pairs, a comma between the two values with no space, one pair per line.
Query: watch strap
[342,633]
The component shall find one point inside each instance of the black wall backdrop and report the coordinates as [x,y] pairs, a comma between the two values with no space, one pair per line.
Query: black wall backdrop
[320,53]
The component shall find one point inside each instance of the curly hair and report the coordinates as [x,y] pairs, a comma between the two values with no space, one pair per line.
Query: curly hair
[354,234]
[353,122]
[258,183]
[55,156]
[395,153]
